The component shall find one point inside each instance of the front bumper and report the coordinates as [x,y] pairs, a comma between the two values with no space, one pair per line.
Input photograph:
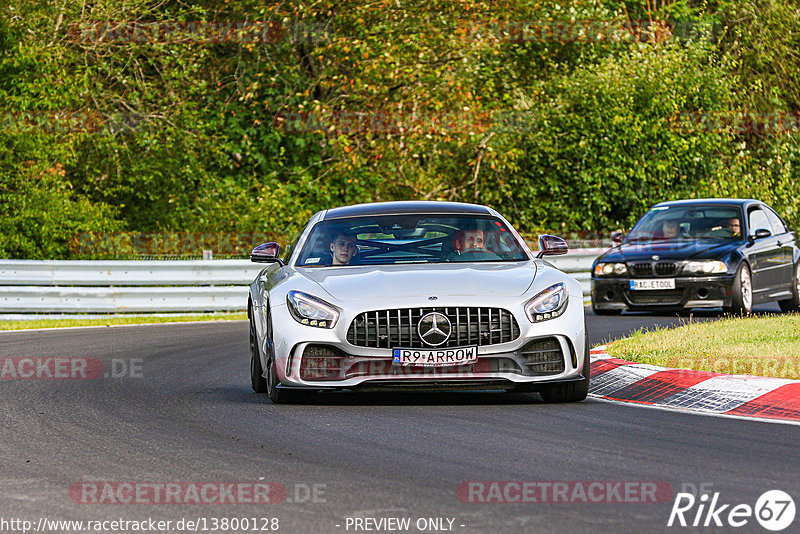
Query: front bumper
[499,366]
[689,292]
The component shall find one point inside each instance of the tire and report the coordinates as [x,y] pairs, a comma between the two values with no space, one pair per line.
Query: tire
[742,303]
[569,391]
[257,380]
[276,394]
[793,304]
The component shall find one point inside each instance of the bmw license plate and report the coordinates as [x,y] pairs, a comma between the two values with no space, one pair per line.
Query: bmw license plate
[661,283]
[435,357]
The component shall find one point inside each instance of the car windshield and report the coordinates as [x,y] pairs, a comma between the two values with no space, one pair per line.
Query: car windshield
[394,239]
[667,223]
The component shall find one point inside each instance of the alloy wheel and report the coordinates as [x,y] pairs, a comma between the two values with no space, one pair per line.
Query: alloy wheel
[747,290]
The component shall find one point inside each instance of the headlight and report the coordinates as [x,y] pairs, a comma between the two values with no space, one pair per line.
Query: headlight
[548,304]
[311,311]
[608,269]
[706,267]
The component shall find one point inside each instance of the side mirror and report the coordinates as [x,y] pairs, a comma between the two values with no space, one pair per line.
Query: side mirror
[617,237]
[266,253]
[551,245]
[761,233]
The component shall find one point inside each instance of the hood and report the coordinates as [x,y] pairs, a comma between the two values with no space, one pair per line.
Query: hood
[392,281]
[671,250]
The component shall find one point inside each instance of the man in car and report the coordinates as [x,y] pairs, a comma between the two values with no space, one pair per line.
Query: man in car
[669,228]
[343,248]
[469,244]
[472,239]
[734,226]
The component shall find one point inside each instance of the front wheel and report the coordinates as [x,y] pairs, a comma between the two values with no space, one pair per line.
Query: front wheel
[277,395]
[257,380]
[569,391]
[793,304]
[742,302]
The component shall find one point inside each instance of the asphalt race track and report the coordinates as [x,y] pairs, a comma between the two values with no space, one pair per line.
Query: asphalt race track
[187,414]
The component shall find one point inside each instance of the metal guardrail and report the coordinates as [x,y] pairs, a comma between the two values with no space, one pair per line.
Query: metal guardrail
[85,286]
[127,273]
[124,286]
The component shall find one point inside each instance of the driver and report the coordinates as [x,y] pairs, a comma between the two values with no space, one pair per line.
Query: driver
[343,248]
[734,226]
[469,244]
[470,240]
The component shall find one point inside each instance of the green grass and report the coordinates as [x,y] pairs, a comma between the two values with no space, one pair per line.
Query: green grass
[761,346]
[44,322]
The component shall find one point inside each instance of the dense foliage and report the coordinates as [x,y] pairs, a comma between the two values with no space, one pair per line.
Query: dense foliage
[161,116]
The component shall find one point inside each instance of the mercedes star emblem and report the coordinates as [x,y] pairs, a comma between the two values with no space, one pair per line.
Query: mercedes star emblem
[434,329]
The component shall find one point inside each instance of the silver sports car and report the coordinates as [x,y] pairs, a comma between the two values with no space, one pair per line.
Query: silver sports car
[414,296]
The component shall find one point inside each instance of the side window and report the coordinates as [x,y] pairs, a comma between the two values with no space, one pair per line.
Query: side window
[778,227]
[758,220]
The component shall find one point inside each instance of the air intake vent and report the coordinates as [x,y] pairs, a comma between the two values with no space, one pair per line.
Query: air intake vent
[543,357]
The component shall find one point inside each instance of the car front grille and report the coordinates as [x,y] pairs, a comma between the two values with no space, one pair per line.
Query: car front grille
[641,269]
[662,268]
[398,328]
[662,296]
[666,268]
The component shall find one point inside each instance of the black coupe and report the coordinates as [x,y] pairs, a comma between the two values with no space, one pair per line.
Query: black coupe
[711,253]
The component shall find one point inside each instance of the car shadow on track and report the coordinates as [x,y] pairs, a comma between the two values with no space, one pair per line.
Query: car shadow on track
[425,398]
[244,395]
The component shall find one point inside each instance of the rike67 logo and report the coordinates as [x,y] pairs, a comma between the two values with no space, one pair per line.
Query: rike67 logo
[774,510]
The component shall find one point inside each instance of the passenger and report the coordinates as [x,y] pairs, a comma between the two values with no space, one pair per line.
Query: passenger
[343,248]
[734,226]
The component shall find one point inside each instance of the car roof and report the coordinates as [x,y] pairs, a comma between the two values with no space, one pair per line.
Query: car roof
[709,201]
[407,207]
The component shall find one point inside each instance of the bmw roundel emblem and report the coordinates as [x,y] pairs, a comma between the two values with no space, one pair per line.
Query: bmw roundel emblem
[656,258]
[434,329]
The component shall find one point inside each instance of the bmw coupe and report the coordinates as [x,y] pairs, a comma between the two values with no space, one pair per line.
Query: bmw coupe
[713,253]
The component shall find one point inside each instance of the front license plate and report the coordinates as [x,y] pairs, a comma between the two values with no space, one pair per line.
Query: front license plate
[435,357]
[662,283]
